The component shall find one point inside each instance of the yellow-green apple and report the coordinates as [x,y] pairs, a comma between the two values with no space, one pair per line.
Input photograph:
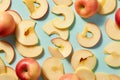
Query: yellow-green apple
[7,24]
[28,69]
[50,29]
[117,17]
[102,76]
[86,8]
[83,58]
[63,2]
[114,77]
[84,73]
[8,49]
[29,51]
[106,6]
[39,11]
[25,33]
[4,5]
[69,76]
[15,15]
[112,29]
[52,68]
[63,49]
[68,14]
[86,40]
[2,66]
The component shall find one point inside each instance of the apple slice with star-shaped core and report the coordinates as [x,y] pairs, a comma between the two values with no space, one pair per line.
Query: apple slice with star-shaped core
[68,14]
[86,40]
[63,2]
[112,29]
[29,51]
[2,66]
[62,50]
[83,58]
[4,5]
[37,8]
[106,6]
[84,73]
[50,29]
[25,33]
[8,49]
[52,68]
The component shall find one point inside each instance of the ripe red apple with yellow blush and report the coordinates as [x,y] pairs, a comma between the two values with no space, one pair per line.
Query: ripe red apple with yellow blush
[117,17]
[28,69]
[86,8]
[7,24]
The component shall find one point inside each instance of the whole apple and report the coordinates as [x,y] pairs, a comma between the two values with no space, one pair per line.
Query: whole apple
[7,24]
[28,69]
[117,17]
[69,76]
[86,8]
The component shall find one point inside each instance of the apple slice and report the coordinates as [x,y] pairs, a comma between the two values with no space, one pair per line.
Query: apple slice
[63,2]
[39,10]
[84,73]
[64,48]
[89,41]
[16,16]
[106,6]
[4,5]
[25,33]
[114,77]
[2,66]
[102,76]
[52,68]
[6,77]
[112,29]
[8,49]
[11,71]
[68,16]
[83,58]
[50,29]
[29,51]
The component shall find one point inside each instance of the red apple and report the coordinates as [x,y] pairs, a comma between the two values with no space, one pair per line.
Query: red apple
[28,69]
[7,24]
[117,17]
[86,8]
[69,76]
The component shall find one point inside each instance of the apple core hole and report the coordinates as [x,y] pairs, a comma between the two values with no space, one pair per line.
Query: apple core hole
[82,59]
[37,4]
[28,31]
[89,34]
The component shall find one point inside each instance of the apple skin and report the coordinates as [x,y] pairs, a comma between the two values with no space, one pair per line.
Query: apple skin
[28,69]
[117,17]
[69,76]
[86,8]
[7,24]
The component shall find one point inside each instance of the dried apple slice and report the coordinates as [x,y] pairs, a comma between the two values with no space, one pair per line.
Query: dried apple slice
[84,73]
[83,58]
[29,51]
[16,16]
[52,68]
[114,77]
[106,6]
[86,41]
[50,29]
[25,33]
[68,16]
[112,29]
[64,48]
[8,49]
[5,76]
[39,10]
[63,2]
[4,5]
[2,66]
[102,76]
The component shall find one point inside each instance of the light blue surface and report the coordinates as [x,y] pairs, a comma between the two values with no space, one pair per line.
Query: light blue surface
[78,25]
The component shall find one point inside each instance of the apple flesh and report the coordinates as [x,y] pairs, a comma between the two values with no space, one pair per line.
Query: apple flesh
[4,5]
[7,24]
[69,76]
[27,69]
[102,76]
[63,2]
[2,66]
[86,8]
[117,17]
